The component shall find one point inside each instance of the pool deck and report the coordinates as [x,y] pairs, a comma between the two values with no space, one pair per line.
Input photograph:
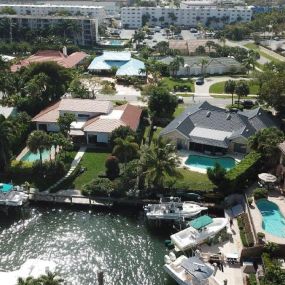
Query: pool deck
[276,198]
[183,155]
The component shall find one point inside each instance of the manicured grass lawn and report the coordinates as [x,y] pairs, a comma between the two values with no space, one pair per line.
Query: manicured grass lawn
[262,53]
[94,161]
[193,181]
[218,88]
[170,82]
[184,94]
[178,111]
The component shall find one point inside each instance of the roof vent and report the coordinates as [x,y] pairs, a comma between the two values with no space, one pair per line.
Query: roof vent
[229,116]
[208,114]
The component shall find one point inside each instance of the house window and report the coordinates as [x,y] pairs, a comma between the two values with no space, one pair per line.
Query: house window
[83,116]
[92,139]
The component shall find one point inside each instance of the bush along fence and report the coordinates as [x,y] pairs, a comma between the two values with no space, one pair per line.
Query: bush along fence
[245,172]
[246,234]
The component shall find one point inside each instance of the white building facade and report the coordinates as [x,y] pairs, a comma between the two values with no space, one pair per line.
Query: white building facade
[97,12]
[134,17]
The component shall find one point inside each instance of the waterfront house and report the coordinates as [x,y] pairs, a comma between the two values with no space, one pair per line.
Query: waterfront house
[207,128]
[61,58]
[120,62]
[193,65]
[95,120]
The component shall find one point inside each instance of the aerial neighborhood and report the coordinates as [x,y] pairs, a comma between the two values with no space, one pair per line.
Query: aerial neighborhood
[142,142]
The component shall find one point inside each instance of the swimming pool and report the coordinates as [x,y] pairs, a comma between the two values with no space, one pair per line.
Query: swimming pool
[4,187]
[114,42]
[273,221]
[204,162]
[31,157]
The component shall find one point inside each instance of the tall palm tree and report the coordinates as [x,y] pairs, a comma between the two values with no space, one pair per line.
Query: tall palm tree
[230,87]
[6,131]
[175,64]
[203,63]
[160,161]
[51,279]
[38,141]
[125,149]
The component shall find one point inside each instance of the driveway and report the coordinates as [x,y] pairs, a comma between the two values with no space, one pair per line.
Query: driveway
[203,90]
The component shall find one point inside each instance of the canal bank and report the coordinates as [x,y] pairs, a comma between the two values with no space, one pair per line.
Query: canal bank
[82,242]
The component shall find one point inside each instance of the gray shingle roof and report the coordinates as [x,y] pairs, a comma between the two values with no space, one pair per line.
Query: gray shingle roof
[204,115]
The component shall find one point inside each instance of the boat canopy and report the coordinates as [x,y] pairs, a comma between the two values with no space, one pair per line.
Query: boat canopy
[197,268]
[201,222]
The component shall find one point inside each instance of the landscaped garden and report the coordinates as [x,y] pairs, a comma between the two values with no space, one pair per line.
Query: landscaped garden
[178,84]
[219,88]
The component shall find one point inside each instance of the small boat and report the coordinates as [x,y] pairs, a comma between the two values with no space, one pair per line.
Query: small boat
[189,271]
[12,196]
[171,208]
[199,231]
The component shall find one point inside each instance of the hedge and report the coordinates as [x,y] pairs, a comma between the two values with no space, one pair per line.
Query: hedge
[239,176]
[23,168]
[246,235]
[251,279]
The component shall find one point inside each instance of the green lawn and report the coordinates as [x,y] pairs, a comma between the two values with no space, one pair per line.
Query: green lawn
[178,111]
[262,53]
[94,161]
[170,82]
[184,94]
[218,88]
[193,181]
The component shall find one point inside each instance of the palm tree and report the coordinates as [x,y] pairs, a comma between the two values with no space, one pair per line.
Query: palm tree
[38,141]
[159,161]
[6,131]
[209,45]
[28,281]
[175,64]
[50,279]
[125,149]
[230,87]
[203,63]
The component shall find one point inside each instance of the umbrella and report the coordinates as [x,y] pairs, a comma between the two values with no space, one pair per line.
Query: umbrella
[267,177]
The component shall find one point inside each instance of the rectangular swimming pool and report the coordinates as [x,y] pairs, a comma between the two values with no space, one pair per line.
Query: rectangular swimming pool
[31,157]
[204,162]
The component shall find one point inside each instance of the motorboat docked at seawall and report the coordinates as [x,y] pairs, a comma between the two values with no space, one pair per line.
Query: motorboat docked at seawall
[199,231]
[171,208]
[189,271]
[31,268]
[12,197]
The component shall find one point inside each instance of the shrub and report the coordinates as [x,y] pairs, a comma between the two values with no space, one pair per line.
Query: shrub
[250,200]
[23,168]
[216,174]
[98,186]
[260,193]
[251,279]
[245,230]
[112,167]
[245,171]
[261,235]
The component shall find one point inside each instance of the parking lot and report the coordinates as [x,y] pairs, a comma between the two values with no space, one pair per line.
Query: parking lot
[152,39]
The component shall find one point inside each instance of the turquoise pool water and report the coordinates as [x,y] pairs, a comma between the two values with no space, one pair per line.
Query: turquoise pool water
[5,187]
[273,221]
[117,42]
[31,157]
[205,162]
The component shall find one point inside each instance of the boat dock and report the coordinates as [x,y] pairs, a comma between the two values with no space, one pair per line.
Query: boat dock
[67,198]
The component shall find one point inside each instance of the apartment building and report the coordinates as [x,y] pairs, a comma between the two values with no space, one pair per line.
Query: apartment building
[135,17]
[97,12]
[86,35]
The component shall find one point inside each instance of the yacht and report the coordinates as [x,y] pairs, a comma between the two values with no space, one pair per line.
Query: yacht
[12,196]
[172,209]
[189,271]
[199,231]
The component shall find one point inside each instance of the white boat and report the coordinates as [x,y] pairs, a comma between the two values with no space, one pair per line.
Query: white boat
[31,268]
[13,198]
[189,271]
[172,209]
[199,231]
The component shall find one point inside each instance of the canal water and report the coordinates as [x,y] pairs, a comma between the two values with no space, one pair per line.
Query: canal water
[81,242]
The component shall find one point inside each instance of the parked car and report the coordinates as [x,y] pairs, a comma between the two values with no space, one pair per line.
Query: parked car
[180,99]
[200,81]
[193,30]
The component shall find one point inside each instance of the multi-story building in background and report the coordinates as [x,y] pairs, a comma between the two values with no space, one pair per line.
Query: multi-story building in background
[97,12]
[86,28]
[135,17]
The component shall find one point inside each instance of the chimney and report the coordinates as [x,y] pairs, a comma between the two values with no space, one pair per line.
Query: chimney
[64,51]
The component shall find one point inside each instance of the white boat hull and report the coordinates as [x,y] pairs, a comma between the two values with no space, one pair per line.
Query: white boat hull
[191,237]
